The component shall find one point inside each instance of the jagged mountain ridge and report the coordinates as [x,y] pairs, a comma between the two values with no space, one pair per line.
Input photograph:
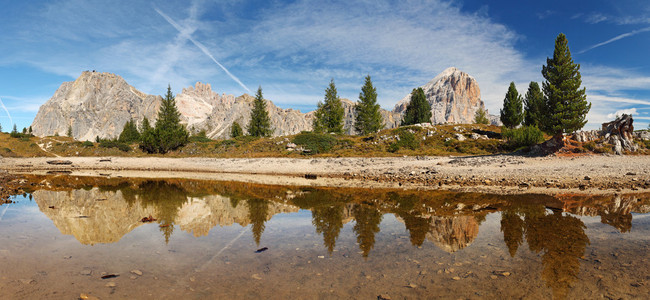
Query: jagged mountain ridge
[99,104]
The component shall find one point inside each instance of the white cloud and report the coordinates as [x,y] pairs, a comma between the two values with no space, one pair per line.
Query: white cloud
[618,113]
[293,50]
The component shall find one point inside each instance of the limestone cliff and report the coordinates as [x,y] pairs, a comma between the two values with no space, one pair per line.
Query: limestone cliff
[454,97]
[96,104]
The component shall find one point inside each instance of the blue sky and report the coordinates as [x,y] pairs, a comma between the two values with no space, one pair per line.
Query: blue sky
[293,48]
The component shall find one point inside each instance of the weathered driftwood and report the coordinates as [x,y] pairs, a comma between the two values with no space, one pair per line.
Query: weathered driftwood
[59,162]
[620,133]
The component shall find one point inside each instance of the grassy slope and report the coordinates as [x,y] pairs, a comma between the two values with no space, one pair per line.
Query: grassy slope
[437,141]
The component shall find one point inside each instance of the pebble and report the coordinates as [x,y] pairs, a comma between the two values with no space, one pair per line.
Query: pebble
[384,297]
[493,276]
[455,278]
[85,296]
[411,285]
[27,281]
[111,284]
[505,274]
[257,276]
[137,272]
[321,256]
[86,272]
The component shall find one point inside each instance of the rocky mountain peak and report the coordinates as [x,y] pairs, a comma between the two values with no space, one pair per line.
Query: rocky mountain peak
[454,97]
[95,104]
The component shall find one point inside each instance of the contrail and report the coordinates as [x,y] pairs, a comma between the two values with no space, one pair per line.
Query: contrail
[200,46]
[616,38]
[6,110]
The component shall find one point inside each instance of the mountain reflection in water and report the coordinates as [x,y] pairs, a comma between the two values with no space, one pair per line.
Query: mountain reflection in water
[99,211]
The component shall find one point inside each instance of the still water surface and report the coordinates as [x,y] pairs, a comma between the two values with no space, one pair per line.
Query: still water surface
[60,238]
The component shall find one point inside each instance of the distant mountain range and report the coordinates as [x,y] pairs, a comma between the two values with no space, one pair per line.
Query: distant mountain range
[99,104]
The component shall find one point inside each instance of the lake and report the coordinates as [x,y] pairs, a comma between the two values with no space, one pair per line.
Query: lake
[191,239]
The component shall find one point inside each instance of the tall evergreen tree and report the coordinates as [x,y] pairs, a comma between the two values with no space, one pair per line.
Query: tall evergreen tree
[147,137]
[130,133]
[533,105]
[368,119]
[260,124]
[170,133]
[418,110]
[69,132]
[511,113]
[566,105]
[235,130]
[329,115]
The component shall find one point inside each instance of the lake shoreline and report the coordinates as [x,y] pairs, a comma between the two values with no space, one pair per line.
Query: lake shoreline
[501,174]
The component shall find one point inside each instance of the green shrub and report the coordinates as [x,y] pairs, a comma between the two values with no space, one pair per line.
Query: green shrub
[114,144]
[199,139]
[226,143]
[525,136]
[406,140]
[316,142]
[591,146]
[87,144]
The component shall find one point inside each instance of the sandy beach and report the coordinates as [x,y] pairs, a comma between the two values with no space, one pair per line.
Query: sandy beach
[497,173]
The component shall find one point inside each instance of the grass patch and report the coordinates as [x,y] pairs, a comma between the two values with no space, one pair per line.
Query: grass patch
[316,142]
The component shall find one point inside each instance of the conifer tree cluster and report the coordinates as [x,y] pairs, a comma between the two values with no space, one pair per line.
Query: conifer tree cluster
[418,110]
[560,107]
[368,116]
[260,124]
[168,133]
[329,115]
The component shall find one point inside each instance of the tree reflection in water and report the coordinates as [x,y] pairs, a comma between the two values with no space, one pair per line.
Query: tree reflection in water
[561,238]
[449,220]
[367,220]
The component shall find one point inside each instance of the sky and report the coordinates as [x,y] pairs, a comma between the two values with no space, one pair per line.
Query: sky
[293,48]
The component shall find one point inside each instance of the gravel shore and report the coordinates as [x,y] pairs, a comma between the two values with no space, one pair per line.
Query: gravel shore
[495,173]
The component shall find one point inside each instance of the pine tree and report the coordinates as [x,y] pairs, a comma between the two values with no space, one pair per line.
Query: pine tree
[130,133]
[368,119]
[418,110]
[511,113]
[30,129]
[480,117]
[329,115]
[533,105]
[170,134]
[69,133]
[235,130]
[147,137]
[1,127]
[14,130]
[260,124]
[566,105]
